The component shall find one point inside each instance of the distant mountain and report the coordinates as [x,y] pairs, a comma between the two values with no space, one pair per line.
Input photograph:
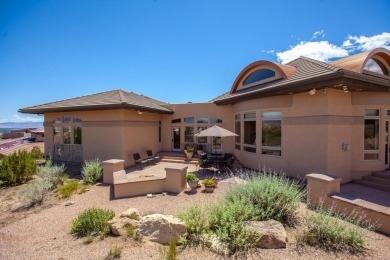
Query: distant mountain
[21,125]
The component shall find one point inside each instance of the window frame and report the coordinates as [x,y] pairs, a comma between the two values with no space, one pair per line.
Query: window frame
[60,123]
[371,151]
[274,116]
[245,146]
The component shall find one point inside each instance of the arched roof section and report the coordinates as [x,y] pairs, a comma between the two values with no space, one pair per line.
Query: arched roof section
[357,62]
[281,72]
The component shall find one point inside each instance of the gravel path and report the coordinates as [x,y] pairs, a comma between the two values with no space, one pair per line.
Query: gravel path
[45,235]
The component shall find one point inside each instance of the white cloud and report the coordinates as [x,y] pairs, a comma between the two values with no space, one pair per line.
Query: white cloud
[322,51]
[364,43]
[318,33]
[17,118]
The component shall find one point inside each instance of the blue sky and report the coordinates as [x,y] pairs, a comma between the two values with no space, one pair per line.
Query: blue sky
[174,51]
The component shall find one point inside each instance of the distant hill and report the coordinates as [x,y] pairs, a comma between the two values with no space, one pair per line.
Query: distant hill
[20,125]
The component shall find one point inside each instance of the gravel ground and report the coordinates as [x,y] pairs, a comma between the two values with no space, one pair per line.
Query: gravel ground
[45,234]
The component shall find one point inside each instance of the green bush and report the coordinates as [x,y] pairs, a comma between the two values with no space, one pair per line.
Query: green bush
[36,191]
[191,177]
[17,168]
[196,219]
[92,171]
[92,222]
[68,188]
[272,197]
[36,153]
[53,173]
[114,253]
[326,229]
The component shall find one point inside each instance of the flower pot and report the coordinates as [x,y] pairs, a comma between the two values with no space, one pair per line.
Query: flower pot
[189,155]
[209,188]
[193,184]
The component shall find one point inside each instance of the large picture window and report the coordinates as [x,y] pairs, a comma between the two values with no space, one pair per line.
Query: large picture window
[250,132]
[271,133]
[371,134]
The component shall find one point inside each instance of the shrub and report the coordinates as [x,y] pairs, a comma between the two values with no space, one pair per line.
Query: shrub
[69,188]
[114,253]
[191,176]
[92,222]
[170,252]
[36,153]
[36,191]
[196,219]
[54,173]
[272,197]
[325,228]
[92,171]
[226,221]
[17,168]
[208,182]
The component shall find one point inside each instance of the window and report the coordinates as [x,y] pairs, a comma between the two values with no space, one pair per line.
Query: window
[159,131]
[371,134]
[259,75]
[376,66]
[67,130]
[216,120]
[250,132]
[202,120]
[77,135]
[237,129]
[202,139]
[189,134]
[271,133]
[176,121]
[189,120]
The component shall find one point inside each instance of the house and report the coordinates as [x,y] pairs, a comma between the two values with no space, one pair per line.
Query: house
[38,134]
[302,117]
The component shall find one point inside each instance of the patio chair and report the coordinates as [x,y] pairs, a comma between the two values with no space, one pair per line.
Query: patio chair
[139,161]
[152,157]
[204,162]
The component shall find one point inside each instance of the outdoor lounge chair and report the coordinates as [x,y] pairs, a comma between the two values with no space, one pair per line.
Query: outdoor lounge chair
[138,160]
[152,157]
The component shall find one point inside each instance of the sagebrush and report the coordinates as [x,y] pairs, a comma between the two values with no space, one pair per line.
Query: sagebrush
[17,168]
[52,172]
[35,191]
[92,171]
[92,222]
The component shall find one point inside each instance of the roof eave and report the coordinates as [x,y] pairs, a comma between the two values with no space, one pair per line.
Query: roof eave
[90,108]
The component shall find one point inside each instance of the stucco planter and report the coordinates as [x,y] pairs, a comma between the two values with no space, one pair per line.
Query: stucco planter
[189,155]
[193,184]
[209,188]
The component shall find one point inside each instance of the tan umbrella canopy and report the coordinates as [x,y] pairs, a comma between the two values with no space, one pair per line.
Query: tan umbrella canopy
[216,131]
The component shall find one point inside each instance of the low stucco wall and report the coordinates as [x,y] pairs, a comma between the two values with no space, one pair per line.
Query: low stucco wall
[174,180]
[325,189]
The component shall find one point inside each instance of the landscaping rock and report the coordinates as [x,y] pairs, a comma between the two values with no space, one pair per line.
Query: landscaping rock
[161,228]
[272,233]
[217,246]
[131,213]
[118,225]
[69,203]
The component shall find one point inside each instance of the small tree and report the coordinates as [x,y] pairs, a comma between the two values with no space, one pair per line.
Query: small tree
[36,153]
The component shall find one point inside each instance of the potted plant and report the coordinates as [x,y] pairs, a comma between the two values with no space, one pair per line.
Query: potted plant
[192,180]
[199,149]
[209,184]
[189,151]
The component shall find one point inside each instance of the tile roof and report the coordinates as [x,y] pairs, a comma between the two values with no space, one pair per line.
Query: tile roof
[19,146]
[104,100]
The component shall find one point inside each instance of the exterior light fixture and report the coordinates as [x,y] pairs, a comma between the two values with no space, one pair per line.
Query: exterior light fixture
[312,92]
[323,91]
[140,112]
[345,88]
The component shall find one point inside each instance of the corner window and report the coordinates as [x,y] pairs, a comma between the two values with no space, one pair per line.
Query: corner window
[250,132]
[259,75]
[67,130]
[271,133]
[371,134]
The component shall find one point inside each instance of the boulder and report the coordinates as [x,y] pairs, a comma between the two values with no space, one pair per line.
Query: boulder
[118,225]
[272,233]
[131,213]
[161,228]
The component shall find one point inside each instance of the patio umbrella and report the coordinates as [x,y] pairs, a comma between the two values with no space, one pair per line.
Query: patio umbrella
[215,131]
